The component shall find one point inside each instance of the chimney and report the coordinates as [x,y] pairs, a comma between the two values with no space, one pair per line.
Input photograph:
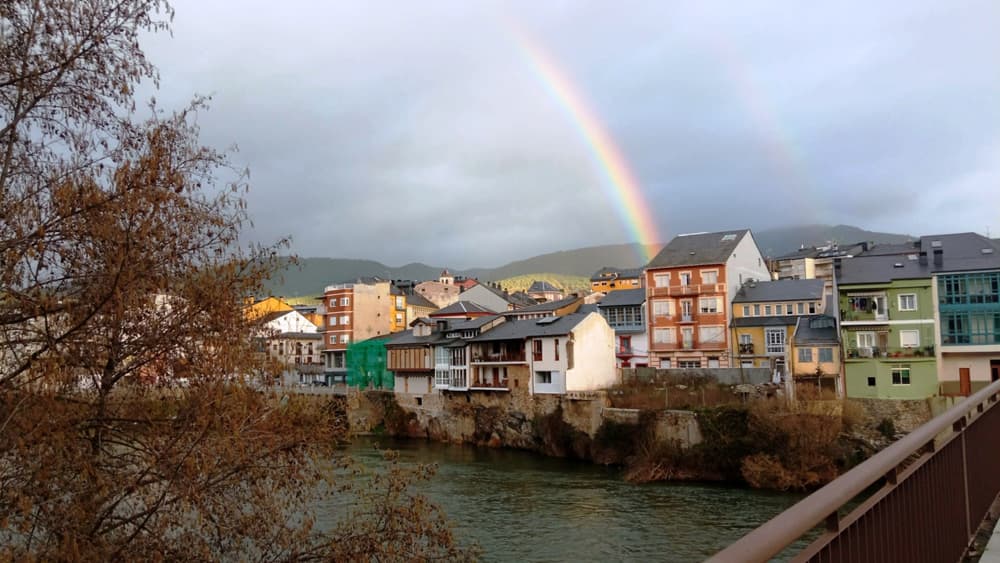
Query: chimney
[837,263]
[938,256]
[922,258]
[864,246]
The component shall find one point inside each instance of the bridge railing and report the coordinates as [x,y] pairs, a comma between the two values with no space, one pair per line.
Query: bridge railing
[934,488]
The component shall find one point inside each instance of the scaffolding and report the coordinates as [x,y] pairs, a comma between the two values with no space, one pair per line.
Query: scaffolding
[366,365]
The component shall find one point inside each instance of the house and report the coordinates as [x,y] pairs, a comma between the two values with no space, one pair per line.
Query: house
[417,306]
[311,312]
[295,343]
[439,293]
[615,279]
[356,310]
[765,314]
[558,308]
[689,286]
[551,355]
[398,319]
[886,306]
[816,352]
[465,283]
[488,296]
[544,291]
[815,262]
[462,310]
[624,310]
[966,289]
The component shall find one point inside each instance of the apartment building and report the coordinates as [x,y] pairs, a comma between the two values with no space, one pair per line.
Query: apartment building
[354,311]
[689,286]
[624,310]
[609,279]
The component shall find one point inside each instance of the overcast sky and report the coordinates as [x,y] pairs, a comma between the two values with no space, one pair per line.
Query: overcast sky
[417,131]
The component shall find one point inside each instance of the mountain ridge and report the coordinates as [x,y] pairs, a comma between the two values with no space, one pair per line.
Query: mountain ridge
[314,273]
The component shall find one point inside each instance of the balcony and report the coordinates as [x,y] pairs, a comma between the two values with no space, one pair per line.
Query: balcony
[624,351]
[874,352]
[690,345]
[863,316]
[502,357]
[746,348]
[693,289]
[686,318]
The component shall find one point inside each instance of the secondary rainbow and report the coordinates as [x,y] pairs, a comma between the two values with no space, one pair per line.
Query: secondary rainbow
[622,186]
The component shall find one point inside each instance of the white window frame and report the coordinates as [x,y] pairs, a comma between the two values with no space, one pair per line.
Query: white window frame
[721,332]
[345,301]
[661,279]
[345,319]
[900,368]
[916,339]
[773,338]
[712,308]
[746,310]
[802,308]
[746,339]
[345,339]
[713,272]
[333,320]
[664,336]
[685,278]
[659,304]
[899,301]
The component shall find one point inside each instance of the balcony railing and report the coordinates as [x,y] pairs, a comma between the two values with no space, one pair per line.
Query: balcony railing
[506,356]
[687,319]
[489,384]
[746,348]
[866,316]
[865,352]
[670,346]
[692,289]
[624,350]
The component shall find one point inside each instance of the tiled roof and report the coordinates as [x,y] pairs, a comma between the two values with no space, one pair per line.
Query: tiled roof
[461,307]
[819,329]
[623,297]
[538,286]
[548,305]
[780,290]
[698,249]
[417,300]
[532,328]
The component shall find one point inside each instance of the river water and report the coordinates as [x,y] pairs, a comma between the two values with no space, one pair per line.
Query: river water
[520,506]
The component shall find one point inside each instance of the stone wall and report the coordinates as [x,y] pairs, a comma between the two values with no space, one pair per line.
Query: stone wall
[725,376]
[906,415]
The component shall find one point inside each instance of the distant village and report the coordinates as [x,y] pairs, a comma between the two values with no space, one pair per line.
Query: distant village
[887,321]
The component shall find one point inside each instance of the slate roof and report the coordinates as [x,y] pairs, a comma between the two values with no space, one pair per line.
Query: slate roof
[960,252]
[418,300]
[780,320]
[780,290]
[521,299]
[532,328]
[539,286]
[623,297]
[608,273]
[461,307]
[406,338]
[547,306]
[471,323]
[698,249]
[893,248]
[806,333]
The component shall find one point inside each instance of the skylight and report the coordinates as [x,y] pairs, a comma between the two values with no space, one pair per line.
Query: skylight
[729,237]
[987,251]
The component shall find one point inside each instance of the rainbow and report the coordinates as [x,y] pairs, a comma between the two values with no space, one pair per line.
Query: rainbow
[622,186]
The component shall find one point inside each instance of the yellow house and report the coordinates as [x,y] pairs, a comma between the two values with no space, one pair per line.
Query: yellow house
[816,352]
[398,318]
[765,314]
[614,279]
[257,308]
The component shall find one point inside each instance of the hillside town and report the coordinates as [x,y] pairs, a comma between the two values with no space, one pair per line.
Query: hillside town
[883,321]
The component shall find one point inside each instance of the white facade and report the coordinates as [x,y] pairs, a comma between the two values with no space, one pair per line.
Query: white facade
[585,360]
[292,321]
[744,263]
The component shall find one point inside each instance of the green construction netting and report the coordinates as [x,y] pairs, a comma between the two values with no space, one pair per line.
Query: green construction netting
[366,365]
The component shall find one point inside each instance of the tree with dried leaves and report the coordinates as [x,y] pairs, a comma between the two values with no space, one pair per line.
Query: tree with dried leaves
[121,276]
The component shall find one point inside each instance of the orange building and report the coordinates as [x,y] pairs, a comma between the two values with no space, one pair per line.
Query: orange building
[614,279]
[689,286]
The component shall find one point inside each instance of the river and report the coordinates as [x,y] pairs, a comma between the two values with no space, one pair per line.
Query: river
[520,506]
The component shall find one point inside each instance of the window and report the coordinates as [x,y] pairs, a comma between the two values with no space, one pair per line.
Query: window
[556,348]
[756,310]
[871,382]
[543,377]
[665,363]
[866,340]
[399,318]
[661,280]
[536,350]
[709,276]
[685,278]
[901,375]
[663,308]
[909,338]
[713,362]
[746,310]
[345,320]
[686,309]
[663,335]
[812,308]
[708,305]
[344,339]
[711,334]
[908,302]
[805,354]
[345,301]
[399,302]
[332,321]
[767,310]
[689,364]
[826,355]
[333,339]
[802,308]
[775,340]
[746,339]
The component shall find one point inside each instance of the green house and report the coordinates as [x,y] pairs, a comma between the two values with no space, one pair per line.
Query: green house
[887,326]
